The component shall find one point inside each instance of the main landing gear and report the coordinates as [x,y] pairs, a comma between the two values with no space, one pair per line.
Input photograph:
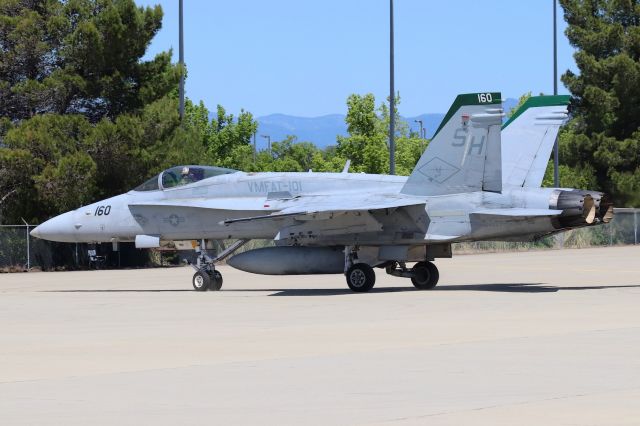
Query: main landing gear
[425,275]
[361,277]
[207,277]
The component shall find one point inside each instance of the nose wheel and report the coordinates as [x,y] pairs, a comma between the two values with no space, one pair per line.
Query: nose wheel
[201,281]
[207,280]
[216,281]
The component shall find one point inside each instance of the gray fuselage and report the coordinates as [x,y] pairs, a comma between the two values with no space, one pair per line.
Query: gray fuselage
[173,213]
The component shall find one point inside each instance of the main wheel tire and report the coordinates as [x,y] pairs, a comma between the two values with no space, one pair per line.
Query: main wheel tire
[361,277]
[216,281]
[201,281]
[427,275]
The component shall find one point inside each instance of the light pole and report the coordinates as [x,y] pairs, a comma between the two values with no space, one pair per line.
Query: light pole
[254,147]
[268,138]
[181,59]
[556,175]
[392,100]
[421,128]
[28,248]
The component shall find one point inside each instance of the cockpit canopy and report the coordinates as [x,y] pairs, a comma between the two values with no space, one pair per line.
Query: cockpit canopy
[182,175]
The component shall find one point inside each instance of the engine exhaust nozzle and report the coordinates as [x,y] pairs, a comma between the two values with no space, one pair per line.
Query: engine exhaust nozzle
[581,208]
[605,209]
[589,209]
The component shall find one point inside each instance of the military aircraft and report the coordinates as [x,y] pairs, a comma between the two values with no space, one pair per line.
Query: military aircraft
[466,186]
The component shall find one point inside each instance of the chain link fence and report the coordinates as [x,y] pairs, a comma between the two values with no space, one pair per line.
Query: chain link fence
[623,229]
[19,251]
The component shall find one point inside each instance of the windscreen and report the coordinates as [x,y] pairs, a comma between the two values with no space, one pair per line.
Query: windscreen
[185,175]
[150,185]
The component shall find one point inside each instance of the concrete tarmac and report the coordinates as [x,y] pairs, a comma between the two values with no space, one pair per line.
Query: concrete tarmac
[526,338]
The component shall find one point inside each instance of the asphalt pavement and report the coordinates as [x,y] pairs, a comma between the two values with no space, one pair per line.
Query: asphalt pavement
[549,337]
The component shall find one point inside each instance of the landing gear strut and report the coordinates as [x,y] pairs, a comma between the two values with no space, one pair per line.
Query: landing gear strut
[207,277]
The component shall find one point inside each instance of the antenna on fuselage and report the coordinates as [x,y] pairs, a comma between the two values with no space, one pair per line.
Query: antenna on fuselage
[345,169]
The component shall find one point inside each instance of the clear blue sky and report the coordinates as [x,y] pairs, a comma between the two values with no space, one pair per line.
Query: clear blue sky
[305,57]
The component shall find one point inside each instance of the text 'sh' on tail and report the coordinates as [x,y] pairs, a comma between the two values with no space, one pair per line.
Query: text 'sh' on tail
[465,153]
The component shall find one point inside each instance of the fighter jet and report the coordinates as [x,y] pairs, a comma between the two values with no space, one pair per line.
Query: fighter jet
[465,187]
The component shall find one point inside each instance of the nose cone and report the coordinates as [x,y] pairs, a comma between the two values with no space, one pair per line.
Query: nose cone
[35,232]
[59,228]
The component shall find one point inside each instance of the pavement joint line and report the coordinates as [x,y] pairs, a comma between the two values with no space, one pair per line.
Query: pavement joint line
[513,404]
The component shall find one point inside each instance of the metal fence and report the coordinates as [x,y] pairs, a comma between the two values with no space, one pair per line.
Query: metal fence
[15,246]
[19,251]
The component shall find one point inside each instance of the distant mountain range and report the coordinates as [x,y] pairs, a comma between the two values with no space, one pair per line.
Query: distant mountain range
[322,131]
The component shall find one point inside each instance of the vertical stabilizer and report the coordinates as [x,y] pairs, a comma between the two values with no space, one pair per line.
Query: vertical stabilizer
[465,153]
[528,138]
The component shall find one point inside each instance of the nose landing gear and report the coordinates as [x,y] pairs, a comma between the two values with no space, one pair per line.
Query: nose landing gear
[207,277]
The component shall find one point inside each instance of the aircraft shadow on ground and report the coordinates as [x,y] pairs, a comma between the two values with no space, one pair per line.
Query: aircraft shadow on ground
[501,288]
[526,287]
[123,290]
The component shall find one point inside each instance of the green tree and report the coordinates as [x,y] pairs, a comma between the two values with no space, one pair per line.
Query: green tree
[82,116]
[367,144]
[521,102]
[408,152]
[230,136]
[38,159]
[81,57]
[289,155]
[605,133]
[227,140]
[361,117]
